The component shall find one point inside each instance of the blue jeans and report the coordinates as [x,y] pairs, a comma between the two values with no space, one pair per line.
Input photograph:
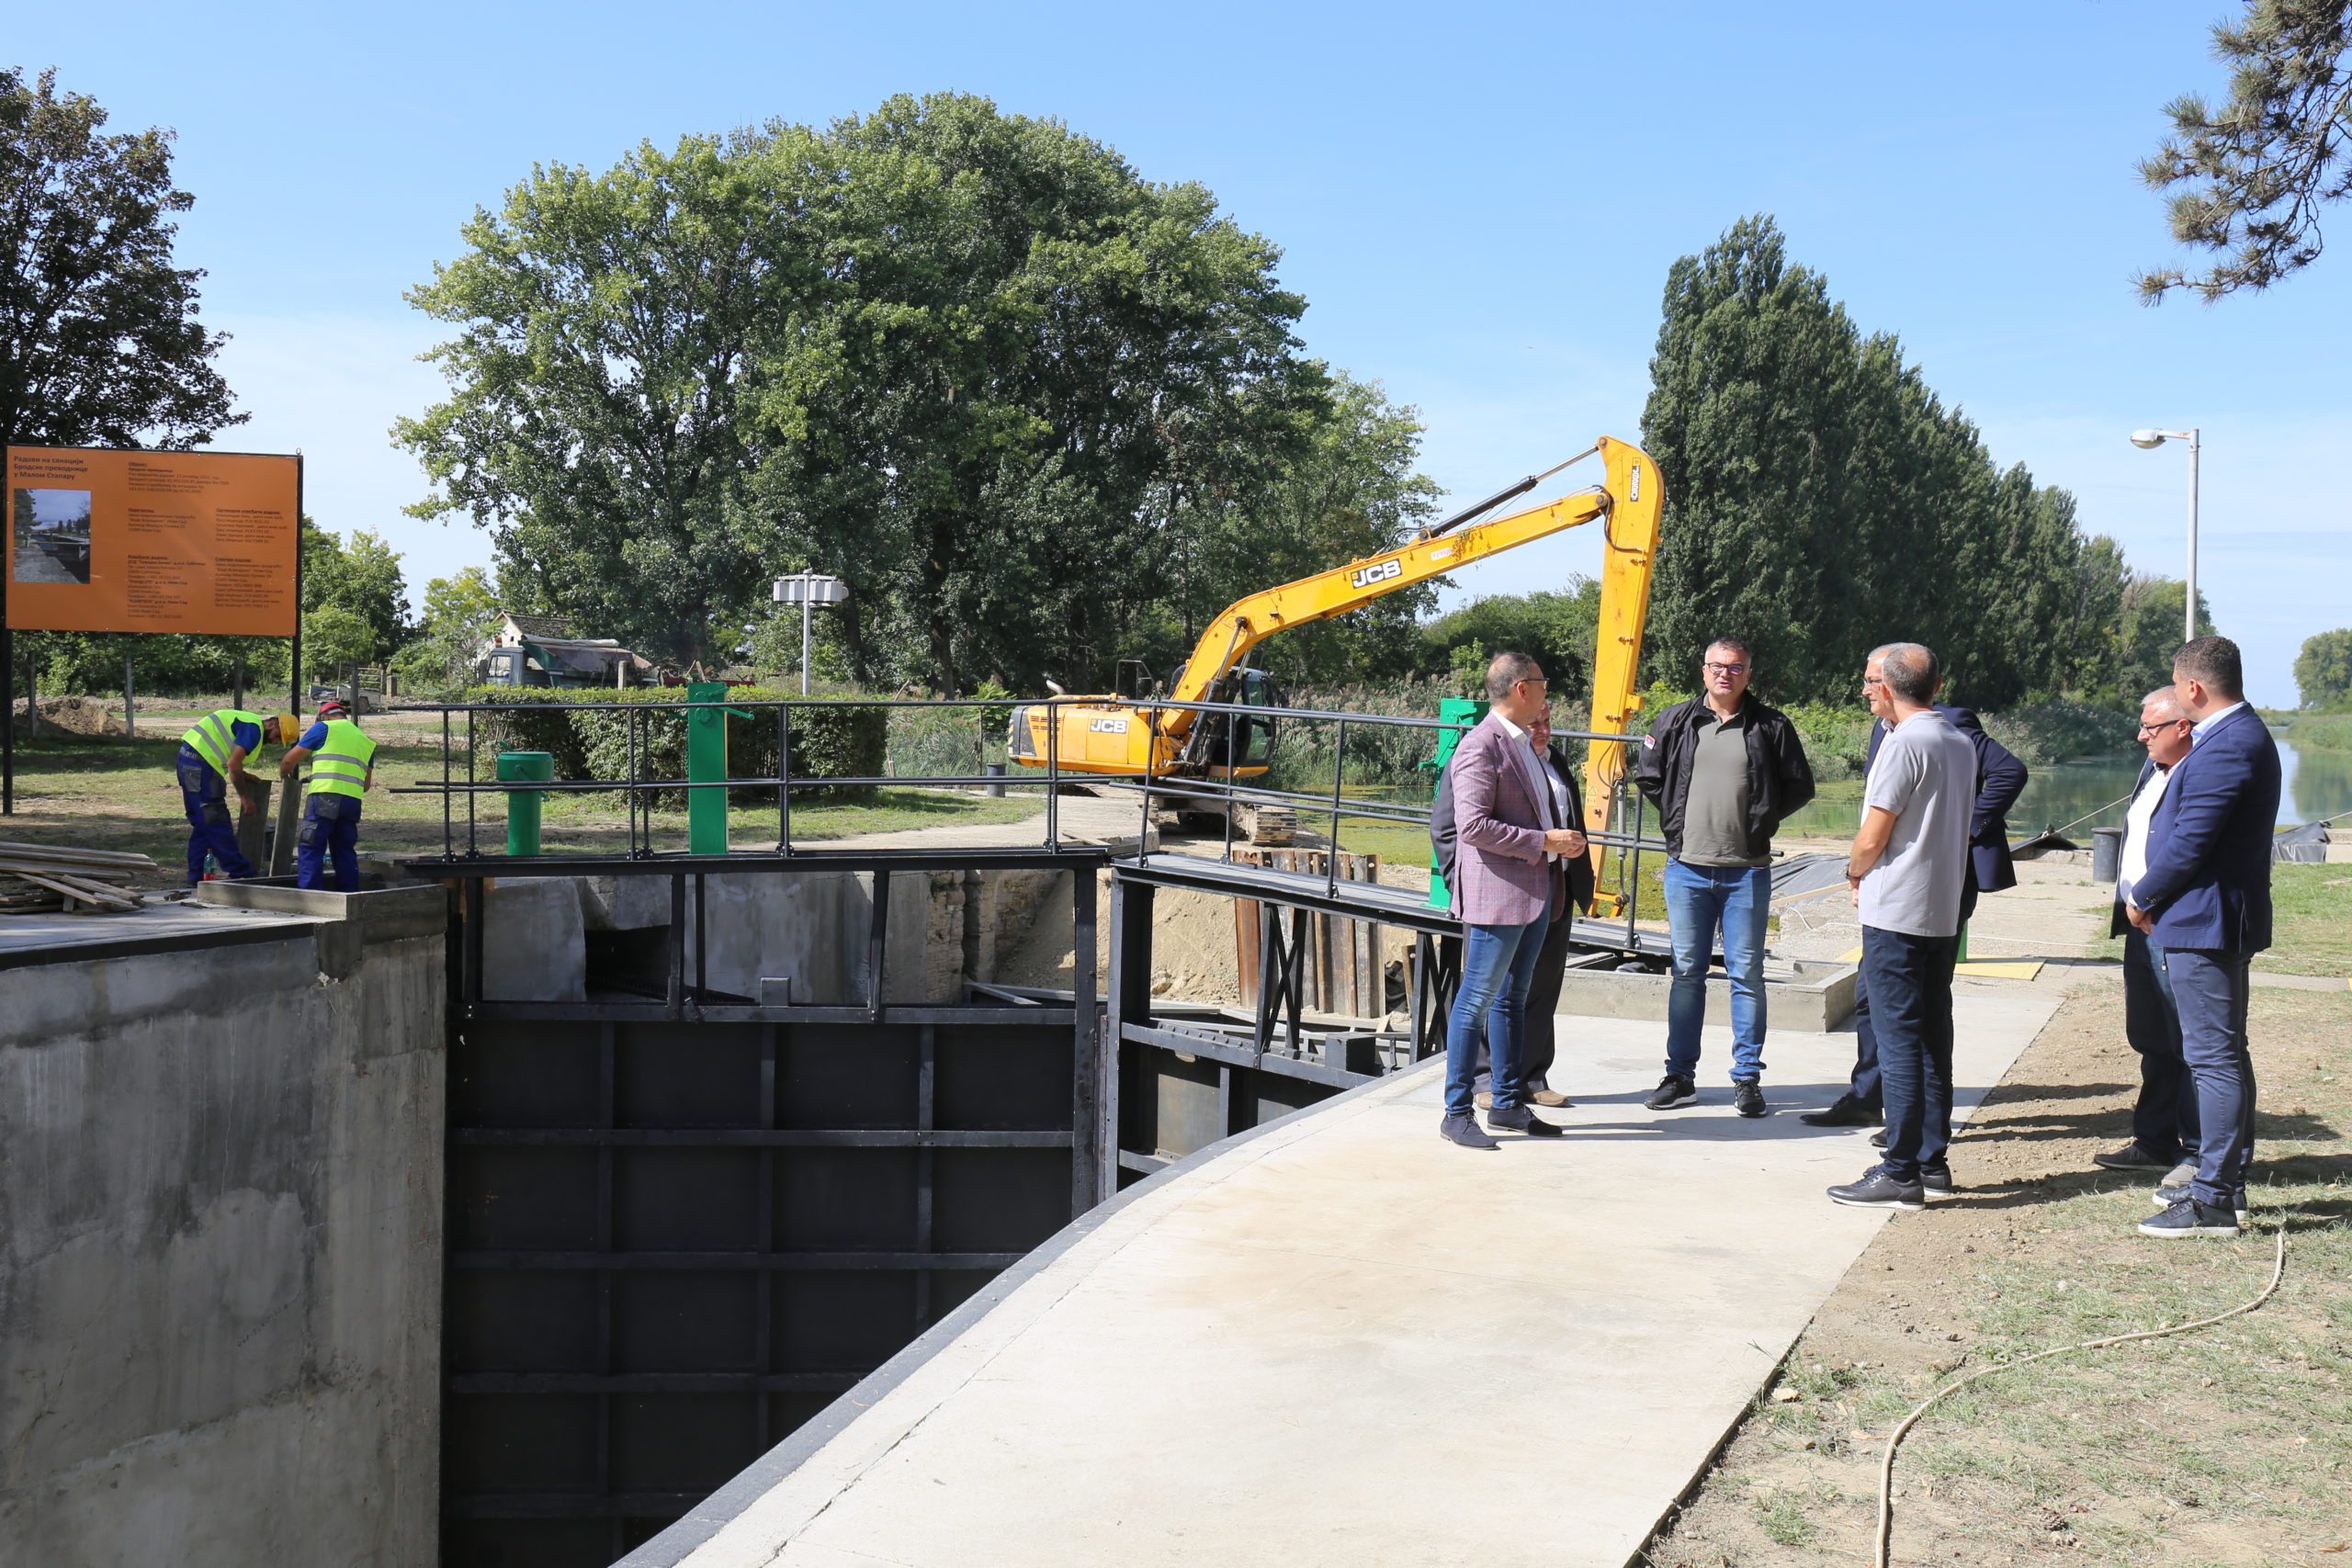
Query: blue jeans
[2163,1120]
[1910,982]
[1700,900]
[1497,967]
[329,827]
[2209,988]
[212,827]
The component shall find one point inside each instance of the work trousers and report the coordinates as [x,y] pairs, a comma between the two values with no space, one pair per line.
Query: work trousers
[1699,901]
[1865,1086]
[1910,982]
[2163,1119]
[1498,967]
[211,822]
[2209,986]
[1536,1045]
[329,827]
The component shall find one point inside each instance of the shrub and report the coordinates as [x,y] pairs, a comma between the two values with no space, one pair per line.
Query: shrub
[2041,733]
[2332,732]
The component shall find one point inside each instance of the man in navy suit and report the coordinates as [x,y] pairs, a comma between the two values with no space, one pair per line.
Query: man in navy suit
[2205,900]
[2000,779]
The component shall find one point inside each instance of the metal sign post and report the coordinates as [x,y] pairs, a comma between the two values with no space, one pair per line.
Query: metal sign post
[807,589]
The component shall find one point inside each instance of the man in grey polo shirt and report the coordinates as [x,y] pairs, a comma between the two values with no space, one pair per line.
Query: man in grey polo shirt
[1907,870]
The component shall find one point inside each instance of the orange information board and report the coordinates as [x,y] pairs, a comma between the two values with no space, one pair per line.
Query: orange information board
[112,541]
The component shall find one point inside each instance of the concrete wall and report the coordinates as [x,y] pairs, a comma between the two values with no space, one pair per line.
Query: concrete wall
[220,1210]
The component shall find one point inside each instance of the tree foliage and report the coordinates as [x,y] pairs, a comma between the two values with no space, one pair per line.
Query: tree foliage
[1821,500]
[1559,629]
[99,341]
[973,363]
[461,614]
[2323,671]
[2258,170]
[359,576]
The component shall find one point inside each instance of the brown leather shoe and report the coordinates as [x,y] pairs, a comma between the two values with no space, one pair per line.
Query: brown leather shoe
[1551,1096]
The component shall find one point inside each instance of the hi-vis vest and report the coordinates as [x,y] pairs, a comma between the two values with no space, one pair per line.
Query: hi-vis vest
[340,766]
[212,738]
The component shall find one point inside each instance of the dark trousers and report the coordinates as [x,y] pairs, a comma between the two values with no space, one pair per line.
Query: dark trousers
[1910,983]
[2163,1119]
[1865,1085]
[212,827]
[2209,988]
[329,827]
[1536,1045]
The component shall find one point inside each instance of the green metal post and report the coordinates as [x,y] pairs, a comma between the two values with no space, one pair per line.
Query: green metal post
[707,761]
[1450,710]
[523,805]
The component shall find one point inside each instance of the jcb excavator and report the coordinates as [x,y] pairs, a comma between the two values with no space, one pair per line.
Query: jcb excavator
[1120,736]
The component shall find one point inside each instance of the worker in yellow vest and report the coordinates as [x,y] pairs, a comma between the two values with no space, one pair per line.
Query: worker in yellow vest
[343,765]
[211,764]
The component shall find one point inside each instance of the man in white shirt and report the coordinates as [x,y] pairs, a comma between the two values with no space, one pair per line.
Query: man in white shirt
[1907,870]
[2163,1120]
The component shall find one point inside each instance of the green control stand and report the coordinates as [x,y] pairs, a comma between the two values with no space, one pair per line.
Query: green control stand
[1450,710]
[706,763]
[523,806]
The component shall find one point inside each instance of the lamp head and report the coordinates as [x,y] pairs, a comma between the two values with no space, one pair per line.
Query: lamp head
[2147,440]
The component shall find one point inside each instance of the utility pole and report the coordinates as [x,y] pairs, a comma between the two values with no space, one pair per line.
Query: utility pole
[2148,441]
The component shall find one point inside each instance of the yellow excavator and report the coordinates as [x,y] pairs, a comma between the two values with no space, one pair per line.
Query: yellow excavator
[1122,736]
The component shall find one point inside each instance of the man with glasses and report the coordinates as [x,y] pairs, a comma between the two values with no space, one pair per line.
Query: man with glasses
[2164,1120]
[1723,770]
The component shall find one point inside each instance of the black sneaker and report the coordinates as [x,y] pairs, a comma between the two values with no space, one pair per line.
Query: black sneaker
[1878,1139]
[1672,1091]
[1747,1099]
[1465,1131]
[1846,1112]
[1877,1190]
[2189,1217]
[1521,1120]
[2130,1156]
[2165,1197]
[1936,1178]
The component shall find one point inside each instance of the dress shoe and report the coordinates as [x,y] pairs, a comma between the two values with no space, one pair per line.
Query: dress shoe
[1551,1096]
[2130,1156]
[1520,1118]
[1844,1112]
[1465,1131]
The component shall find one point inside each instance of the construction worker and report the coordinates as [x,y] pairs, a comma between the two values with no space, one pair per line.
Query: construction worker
[343,765]
[211,762]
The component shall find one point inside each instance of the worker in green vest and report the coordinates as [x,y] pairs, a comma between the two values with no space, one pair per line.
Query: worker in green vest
[211,764]
[343,765]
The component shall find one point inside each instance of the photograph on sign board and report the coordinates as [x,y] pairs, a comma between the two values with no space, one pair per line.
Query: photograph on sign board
[53,536]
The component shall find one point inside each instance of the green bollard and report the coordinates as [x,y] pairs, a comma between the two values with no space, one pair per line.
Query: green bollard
[1450,710]
[707,760]
[523,805]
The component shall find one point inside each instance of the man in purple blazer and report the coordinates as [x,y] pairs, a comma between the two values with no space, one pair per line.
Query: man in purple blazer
[1509,883]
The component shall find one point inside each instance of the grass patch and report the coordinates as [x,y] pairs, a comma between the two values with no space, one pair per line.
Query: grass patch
[2311,910]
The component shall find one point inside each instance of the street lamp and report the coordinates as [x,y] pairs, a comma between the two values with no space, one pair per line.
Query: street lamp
[2148,441]
[807,589]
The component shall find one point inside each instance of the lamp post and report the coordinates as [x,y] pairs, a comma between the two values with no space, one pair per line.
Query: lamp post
[807,589]
[2148,441]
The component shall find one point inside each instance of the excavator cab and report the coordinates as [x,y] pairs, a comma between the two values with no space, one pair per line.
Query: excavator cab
[1243,742]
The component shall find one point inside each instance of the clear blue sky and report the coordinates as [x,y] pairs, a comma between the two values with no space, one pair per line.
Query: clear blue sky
[1480,203]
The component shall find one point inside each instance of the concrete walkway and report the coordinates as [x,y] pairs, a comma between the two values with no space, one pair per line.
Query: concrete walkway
[1344,1342]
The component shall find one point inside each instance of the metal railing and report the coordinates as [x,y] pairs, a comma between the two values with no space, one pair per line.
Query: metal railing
[1158,783]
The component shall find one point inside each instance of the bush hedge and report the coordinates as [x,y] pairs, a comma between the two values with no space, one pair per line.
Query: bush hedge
[830,740]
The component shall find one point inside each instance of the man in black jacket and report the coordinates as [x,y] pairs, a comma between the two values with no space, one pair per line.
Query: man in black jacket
[1723,770]
[2000,779]
[1537,1047]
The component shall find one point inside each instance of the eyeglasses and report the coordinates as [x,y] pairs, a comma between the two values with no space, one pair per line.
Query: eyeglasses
[2168,724]
[1715,668]
[1872,681]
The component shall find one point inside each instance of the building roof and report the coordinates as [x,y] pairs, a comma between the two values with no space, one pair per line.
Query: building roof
[538,626]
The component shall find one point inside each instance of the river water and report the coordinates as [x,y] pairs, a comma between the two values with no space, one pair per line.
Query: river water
[2318,786]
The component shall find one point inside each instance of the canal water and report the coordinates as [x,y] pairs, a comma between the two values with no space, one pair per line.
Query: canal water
[2317,786]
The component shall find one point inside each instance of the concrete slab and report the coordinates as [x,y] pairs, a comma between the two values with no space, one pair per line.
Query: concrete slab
[158,927]
[1342,1341]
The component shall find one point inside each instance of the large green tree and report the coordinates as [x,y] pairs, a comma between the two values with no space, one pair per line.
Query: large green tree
[1822,499]
[359,575]
[944,352]
[2250,178]
[99,341]
[2323,671]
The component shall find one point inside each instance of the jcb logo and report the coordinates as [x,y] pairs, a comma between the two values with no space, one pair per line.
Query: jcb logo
[1380,571]
[1109,726]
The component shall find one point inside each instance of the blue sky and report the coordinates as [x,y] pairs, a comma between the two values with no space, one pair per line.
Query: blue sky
[1479,202]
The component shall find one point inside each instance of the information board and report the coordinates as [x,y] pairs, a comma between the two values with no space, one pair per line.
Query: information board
[101,540]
